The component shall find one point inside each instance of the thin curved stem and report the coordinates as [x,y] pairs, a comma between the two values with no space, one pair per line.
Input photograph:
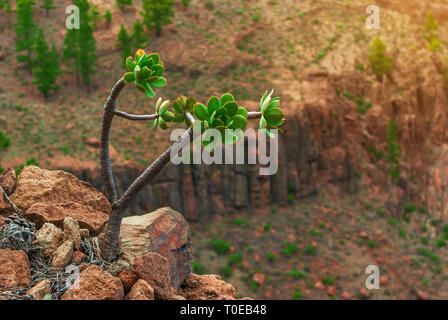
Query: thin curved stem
[136,117]
[254,115]
[108,115]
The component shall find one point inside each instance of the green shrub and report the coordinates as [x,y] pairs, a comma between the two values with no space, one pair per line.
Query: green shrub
[393,149]
[289,249]
[424,240]
[235,258]
[328,281]
[198,268]
[267,227]
[270,256]
[309,249]
[185,3]
[297,274]
[29,162]
[381,64]
[220,246]
[238,221]
[226,271]
[431,33]
[434,258]
[5,142]
[440,242]
[255,285]
[297,294]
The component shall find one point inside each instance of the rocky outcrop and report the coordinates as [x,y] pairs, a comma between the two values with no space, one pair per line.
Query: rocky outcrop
[95,284]
[14,268]
[154,269]
[36,185]
[206,287]
[165,232]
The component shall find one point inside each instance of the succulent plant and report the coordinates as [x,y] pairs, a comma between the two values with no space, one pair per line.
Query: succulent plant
[17,234]
[146,71]
[182,105]
[221,114]
[272,116]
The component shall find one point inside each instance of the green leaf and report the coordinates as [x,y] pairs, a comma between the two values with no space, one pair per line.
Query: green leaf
[168,116]
[226,98]
[262,123]
[128,77]
[189,104]
[217,123]
[156,123]
[146,73]
[148,91]
[177,106]
[155,57]
[213,104]
[201,112]
[157,70]
[162,124]
[273,115]
[242,112]
[137,71]
[239,122]
[159,83]
[231,108]
[130,64]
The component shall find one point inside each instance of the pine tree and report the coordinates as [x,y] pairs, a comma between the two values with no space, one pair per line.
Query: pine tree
[431,33]
[157,14]
[25,31]
[79,46]
[48,5]
[94,16]
[125,44]
[46,65]
[380,62]
[86,43]
[139,37]
[121,4]
[107,17]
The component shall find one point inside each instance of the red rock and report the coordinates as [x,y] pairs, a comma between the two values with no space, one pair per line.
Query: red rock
[260,278]
[364,292]
[55,213]
[331,290]
[62,256]
[141,290]
[257,258]
[40,289]
[50,237]
[95,284]
[384,280]
[422,295]
[128,278]
[2,221]
[14,268]
[206,287]
[93,142]
[78,256]
[8,181]
[318,285]
[363,235]
[346,295]
[71,232]
[36,185]
[165,232]
[155,270]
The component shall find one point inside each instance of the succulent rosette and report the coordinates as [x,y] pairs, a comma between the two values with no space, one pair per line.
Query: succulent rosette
[146,71]
[272,116]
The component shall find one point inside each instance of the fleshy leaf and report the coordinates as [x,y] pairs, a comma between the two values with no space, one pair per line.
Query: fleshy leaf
[226,98]
[128,77]
[231,108]
[213,104]
[201,112]
[159,83]
[242,112]
[239,122]
[273,115]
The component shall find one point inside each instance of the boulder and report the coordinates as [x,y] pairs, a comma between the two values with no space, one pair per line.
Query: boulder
[141,290]
[128,278]
[50,238]
[14,268]
[71,232]
[55,213]
[78,256]
[165,232]
[8,181]
[154,269]
[95,284]
[36,185]
[41,289]
[206,287]
[62,256]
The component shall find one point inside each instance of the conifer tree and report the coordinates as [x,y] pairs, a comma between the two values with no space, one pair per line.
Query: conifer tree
[107,17]
[121,4]
[79,46]
[125,44]
[157,14]
[139,37]
[380,62]
[48,5]
[25,31]
[431,33]
[46,65]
